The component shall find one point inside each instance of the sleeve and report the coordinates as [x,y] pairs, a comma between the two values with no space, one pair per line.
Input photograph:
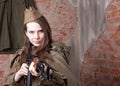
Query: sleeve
[62,69]
[56,79]
[59,78]
[15,65]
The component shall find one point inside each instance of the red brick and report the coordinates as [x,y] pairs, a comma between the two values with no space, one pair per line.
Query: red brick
[115,20]
[106,42]
[112,7]
[97,62]
[104,70]
[113,59]
[115,1]
[4,57]
[115,72]
[117,42]
[1,82]
[114,13]
[1,74]
[115,35]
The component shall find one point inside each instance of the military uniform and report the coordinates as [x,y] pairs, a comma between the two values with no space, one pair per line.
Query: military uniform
[61,76]
[11,22]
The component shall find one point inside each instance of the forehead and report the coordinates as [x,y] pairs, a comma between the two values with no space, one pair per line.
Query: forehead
[33,26]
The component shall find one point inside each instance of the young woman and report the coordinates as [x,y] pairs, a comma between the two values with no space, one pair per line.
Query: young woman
[39,48]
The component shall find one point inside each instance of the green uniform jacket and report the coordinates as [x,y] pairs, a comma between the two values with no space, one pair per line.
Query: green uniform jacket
[61,70]
[12,24]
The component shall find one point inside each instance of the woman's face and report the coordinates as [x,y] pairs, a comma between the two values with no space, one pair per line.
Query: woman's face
[34,33]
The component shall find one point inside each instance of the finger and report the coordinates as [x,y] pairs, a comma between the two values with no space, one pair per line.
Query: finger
[25,65]
[32,69]
[31,66]
[22,72]
[33,72]
[24,69]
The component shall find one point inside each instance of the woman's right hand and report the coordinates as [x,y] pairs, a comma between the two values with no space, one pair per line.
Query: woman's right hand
[22,71]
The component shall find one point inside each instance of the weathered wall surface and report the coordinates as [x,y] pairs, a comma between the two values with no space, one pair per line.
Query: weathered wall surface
[62,19]
[101,65]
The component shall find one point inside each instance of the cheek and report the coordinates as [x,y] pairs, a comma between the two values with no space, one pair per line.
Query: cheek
[29,36]
[42,36]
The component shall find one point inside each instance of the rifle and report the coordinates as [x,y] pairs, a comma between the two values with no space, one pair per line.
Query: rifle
[29,76]
[29,79]
[40,69]
[39,65]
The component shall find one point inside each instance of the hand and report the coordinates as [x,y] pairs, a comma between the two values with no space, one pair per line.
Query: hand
[32,69]
[22,71]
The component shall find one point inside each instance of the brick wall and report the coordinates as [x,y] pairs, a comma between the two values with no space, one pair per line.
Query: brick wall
[62,19]
[4,66]
[101,62]
[101,65]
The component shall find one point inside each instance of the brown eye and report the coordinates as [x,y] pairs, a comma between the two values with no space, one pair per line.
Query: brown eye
[31,32]
[40,31]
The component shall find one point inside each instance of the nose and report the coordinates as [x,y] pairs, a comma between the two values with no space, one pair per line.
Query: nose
[36,35]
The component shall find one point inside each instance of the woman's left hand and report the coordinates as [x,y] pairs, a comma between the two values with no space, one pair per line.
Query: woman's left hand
[33,70]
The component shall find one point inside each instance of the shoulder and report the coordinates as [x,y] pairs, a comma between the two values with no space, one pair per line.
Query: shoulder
[16,56]
[57,46]
[61,49]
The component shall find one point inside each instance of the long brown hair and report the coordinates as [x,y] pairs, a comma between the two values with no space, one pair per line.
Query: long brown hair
[42,50]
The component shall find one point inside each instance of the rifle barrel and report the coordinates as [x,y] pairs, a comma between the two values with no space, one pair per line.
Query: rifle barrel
[29,79]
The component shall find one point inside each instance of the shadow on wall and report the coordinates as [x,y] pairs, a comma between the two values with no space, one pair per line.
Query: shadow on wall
[91,23]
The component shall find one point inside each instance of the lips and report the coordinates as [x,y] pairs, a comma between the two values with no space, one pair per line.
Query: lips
[37,42]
